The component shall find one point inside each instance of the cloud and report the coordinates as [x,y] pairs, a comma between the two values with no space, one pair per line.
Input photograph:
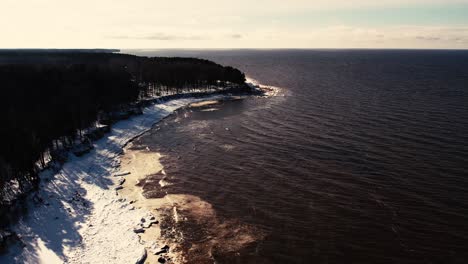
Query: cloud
[236,36]
[161,36]
[369,37]
[430,38]
[175,37]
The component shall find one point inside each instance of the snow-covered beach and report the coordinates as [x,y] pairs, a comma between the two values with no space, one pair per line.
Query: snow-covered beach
[77,216]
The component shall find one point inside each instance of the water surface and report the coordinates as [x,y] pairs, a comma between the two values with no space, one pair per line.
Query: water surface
[363,159]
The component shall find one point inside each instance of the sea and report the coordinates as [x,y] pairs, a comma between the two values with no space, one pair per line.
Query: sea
[361,156]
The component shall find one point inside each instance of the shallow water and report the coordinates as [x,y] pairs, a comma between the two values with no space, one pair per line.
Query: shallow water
[362,158]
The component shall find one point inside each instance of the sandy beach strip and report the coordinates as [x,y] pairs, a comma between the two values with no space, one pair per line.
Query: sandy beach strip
[204,103]
[176,212]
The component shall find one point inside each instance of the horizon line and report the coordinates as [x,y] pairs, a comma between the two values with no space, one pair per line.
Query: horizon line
[121,49]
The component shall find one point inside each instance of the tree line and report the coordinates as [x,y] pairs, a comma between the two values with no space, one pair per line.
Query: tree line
[48,100]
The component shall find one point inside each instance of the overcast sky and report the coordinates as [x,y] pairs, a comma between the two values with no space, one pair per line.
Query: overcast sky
[233,24]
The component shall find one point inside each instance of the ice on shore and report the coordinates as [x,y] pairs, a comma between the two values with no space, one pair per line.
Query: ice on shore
[76,216]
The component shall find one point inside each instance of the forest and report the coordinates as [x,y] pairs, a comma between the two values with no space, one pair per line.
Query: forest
[49,101]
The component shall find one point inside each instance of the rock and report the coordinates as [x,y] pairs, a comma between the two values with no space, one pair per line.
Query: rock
[122,173]
[121,181]
[120,187]
[148,223]
[139,230]
[161,260]
[163,250]
[143,257]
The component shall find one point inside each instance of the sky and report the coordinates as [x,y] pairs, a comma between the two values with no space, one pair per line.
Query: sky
[154,24]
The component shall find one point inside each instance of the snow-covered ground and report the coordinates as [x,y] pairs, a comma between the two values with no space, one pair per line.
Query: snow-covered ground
[77,216]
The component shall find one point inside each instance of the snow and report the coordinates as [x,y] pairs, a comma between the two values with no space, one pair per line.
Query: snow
[267,90]
[77,216]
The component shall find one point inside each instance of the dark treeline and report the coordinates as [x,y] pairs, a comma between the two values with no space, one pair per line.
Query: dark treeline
[164,72]
[40,104]
[48,101]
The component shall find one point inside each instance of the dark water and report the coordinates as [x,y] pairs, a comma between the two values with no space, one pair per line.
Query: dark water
[363,160]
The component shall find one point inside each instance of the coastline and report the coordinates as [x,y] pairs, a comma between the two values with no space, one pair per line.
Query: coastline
[77,216]
[188,228]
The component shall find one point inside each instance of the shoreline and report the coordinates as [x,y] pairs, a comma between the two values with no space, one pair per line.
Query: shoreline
[76,215]
[140,164]
[180,216]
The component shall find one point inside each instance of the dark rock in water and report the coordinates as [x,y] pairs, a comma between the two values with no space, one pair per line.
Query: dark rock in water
[161,260]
